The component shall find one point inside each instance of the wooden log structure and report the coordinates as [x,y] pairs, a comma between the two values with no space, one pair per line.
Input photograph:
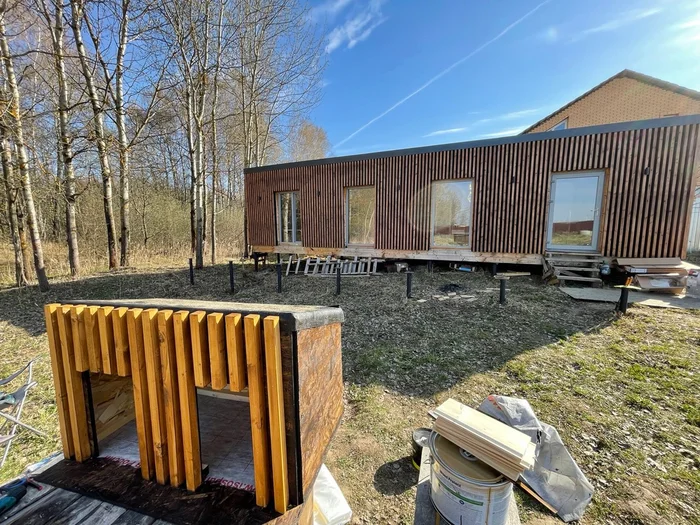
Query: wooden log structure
[144,360]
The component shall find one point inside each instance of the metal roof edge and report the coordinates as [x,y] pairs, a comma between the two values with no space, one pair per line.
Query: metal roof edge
[513,139]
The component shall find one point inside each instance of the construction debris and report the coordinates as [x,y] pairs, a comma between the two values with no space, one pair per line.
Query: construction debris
[665,275]
[500,446]
[316,266]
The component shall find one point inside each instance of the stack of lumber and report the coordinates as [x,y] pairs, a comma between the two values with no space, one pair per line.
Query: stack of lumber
[666,275]
[500,446]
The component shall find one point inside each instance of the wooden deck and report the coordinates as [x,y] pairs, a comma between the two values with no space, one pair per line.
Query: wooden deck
[54,505]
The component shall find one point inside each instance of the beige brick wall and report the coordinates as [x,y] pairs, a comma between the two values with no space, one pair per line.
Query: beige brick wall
[621,100]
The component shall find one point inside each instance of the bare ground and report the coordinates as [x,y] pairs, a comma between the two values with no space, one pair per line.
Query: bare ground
[624,393]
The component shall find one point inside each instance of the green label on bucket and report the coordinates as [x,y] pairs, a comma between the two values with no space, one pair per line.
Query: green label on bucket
[459,496]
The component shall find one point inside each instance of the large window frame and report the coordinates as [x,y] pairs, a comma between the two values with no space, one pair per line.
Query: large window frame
[434,244]
[348,191]
[296,237]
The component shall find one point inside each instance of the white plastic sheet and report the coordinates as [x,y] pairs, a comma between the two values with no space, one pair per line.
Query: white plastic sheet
[330,506]
[555,477]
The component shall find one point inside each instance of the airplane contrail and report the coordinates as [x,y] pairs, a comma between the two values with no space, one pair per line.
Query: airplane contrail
[443,73]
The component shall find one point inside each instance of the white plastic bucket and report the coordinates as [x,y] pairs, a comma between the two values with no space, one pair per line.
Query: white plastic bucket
[464,490]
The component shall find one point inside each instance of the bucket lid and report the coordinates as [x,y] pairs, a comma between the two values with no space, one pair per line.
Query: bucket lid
[462,463]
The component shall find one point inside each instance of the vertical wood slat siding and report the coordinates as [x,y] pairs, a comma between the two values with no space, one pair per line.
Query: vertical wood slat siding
[642,215]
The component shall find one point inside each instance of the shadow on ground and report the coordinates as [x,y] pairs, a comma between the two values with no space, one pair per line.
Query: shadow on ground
[416,347]
[395,477]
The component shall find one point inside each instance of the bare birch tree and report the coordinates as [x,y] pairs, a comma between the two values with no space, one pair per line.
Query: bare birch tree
[14,111]
[11,203]
[97,104]
[53,17]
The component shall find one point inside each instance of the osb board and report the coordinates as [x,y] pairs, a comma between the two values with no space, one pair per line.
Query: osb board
[646,299]
[320,395]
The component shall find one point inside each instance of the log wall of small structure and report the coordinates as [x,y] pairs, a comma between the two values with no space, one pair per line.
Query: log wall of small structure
[650,177]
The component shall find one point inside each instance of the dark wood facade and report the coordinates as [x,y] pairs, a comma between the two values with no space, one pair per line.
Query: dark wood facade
[651,169]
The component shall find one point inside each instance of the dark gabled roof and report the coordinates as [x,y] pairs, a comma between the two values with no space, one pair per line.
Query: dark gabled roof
[513,139]
[625,73]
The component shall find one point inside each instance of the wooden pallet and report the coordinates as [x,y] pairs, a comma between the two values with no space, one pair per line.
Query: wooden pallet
[316,266]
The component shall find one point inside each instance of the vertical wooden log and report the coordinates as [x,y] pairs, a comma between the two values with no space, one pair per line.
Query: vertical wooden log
[258,409]
[121,341]
[74,387]
[217,351]
[200,349]
[235,352]
[82,362]
[104,322]
[188,400]
[171,397]
[154,376]
[142,409]
[92,336]
[59,379]
[275,403]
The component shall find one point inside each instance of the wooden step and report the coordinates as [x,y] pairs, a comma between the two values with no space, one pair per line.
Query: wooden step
[572,260]
[556,252]
[585,279]
[577,268]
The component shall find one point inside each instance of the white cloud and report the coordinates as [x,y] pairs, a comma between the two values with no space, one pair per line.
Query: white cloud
[687,35]
[503,133]
[356,27]
[624,19]
[512,115]
[445,132]
[328,10]
[445,72]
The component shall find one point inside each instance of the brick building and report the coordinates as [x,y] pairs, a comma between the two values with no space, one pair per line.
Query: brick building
[624,97]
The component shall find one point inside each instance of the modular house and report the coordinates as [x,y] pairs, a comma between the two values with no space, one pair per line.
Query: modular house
[615,190]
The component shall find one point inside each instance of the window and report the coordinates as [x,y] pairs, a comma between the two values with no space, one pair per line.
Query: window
[360,211]
[452,213]
[562,125]
[288,217]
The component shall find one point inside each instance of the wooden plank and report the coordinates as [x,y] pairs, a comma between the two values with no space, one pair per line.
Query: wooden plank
[92,336]
[74,387]
[188,400]
[258,409]
[104,322]
[154,377]
[200,348]
[217,350]
[140,387]
[235,352]
[82,362]
[121,341]
[275,404]
[59,379]
[171,397]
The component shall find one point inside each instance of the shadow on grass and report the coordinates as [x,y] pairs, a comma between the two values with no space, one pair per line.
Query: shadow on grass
[396,477]
[411,347]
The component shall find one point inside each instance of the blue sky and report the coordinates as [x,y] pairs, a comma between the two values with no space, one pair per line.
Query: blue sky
[405,73]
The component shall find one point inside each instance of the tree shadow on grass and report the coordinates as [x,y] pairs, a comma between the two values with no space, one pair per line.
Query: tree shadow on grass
[410,347]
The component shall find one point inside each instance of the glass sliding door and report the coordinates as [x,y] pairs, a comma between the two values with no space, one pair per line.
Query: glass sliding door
[574,211]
